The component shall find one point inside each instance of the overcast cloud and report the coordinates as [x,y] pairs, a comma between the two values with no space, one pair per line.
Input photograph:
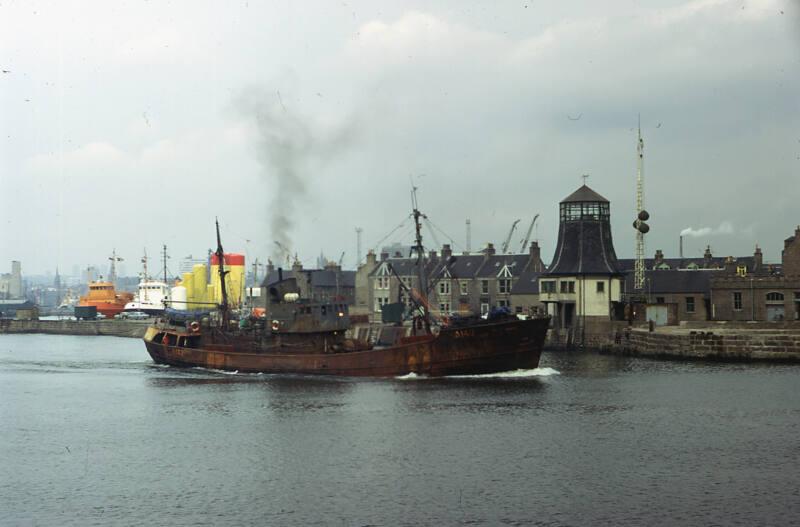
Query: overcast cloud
[131,125]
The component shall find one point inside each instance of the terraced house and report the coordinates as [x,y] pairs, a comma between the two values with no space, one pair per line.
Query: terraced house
[456,283]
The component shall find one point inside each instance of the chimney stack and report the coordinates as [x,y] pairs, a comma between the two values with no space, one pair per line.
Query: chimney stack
[489,251]
[707,257]
[536,257]
[447,252]
[659,258]
[758,259]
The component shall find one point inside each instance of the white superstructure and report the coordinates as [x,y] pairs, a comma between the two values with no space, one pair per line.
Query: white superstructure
[150,297]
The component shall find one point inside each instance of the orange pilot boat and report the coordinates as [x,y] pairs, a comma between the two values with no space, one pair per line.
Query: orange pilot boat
[105,298]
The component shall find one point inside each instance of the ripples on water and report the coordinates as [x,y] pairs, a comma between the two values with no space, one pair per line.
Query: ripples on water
[94,433]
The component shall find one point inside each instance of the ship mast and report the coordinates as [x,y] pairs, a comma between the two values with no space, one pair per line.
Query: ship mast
[164,258]
[114,259]
[221,262]
[144,274]
[423,286]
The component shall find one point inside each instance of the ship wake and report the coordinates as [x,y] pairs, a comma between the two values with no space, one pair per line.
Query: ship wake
[513,374]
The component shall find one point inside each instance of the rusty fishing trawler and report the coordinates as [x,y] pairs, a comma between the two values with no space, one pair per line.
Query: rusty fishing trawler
[301,336]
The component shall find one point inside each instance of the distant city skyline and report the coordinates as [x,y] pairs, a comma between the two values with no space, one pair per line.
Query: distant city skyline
[133,126]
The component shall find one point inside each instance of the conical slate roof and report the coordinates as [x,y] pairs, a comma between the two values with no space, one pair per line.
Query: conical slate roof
[584,247]
[584,194]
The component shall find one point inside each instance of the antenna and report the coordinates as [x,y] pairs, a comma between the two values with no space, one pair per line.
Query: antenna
[641,215]
[469,236]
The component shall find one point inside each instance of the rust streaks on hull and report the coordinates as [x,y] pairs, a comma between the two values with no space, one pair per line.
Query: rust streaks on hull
[487,348]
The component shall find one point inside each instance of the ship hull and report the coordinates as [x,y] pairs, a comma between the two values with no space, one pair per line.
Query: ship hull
[479,349]
[108,309]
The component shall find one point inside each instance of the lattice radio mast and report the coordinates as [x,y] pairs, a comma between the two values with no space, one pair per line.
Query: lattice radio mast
[641,214]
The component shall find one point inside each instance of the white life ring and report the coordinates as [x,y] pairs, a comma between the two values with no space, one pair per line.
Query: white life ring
[275,325]
[194,326]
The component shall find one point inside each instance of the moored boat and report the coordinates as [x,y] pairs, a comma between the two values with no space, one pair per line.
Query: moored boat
[151,295]
[105,298]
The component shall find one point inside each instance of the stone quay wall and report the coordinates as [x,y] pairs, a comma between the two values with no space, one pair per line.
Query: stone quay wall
[731,345]
[763,341]
[113,328]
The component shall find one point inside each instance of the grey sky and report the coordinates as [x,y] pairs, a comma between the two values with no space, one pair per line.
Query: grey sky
[128,125]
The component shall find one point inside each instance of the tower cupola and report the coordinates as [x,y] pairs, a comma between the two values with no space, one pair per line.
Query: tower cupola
[584,236]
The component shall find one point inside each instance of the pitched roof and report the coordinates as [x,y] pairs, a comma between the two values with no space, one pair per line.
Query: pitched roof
[628,264]
[675,281]
[319,277]
[584,194]
[527,284]
[494,264]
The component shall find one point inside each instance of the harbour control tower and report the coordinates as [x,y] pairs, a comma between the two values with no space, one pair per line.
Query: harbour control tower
[583,284]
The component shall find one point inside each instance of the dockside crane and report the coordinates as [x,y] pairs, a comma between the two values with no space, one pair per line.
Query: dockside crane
[506,243]
[527,237]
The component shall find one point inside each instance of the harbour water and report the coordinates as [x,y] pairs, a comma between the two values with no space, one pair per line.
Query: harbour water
[92,433]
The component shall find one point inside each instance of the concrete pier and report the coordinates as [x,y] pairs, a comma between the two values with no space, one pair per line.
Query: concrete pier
[113,328]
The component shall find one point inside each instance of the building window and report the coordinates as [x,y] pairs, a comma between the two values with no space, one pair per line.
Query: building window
[737,301]
[690,304]
[502,303]
[444,307]
[518,310]
[659,300]
[601,287]
[504,286]
[485,287]
[548,286]
[444,287]
[382,282]
[774,297]
[380,301]
[484,308]
[464,287]
[567,286]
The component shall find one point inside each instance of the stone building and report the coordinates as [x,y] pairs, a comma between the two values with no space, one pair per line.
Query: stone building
[761,293]
[455,283]
[582,287]
[674,295]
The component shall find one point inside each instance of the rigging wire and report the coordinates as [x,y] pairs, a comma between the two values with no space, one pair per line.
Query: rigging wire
[376,244]
[450,238]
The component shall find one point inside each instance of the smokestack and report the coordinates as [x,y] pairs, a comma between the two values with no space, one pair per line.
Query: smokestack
[680,247]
